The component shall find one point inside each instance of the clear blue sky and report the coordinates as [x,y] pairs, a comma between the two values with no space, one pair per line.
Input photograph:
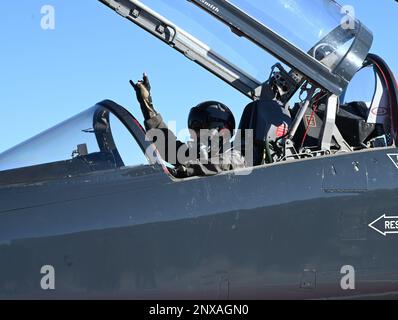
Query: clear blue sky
[48,76]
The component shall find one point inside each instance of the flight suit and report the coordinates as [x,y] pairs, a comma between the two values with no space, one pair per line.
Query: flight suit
[225,159]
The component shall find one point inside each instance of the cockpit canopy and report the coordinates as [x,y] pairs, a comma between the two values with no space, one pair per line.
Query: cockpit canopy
[319,39]
[103,137]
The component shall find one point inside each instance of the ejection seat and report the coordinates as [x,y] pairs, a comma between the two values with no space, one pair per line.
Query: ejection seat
[269,121]
[351,127]
[379,116]
[362,124]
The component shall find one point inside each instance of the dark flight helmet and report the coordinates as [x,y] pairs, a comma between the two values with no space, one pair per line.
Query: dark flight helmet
[211,115]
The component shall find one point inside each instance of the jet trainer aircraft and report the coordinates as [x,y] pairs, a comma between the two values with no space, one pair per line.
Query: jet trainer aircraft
[316,218]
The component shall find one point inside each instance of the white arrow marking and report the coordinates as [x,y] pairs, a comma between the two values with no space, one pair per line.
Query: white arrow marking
[394,158]
[371,225]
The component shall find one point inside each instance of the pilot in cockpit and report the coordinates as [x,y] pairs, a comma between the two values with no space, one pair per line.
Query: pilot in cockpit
[211,127]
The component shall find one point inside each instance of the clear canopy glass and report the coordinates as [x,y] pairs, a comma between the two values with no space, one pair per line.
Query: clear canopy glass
[304,23]
[239,51]
[95,137]
[320,28]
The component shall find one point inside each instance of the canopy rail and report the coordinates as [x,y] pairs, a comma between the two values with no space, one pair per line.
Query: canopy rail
[188,45]
[334,80]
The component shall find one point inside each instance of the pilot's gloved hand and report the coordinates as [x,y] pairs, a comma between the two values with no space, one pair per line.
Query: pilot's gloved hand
[143,91]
